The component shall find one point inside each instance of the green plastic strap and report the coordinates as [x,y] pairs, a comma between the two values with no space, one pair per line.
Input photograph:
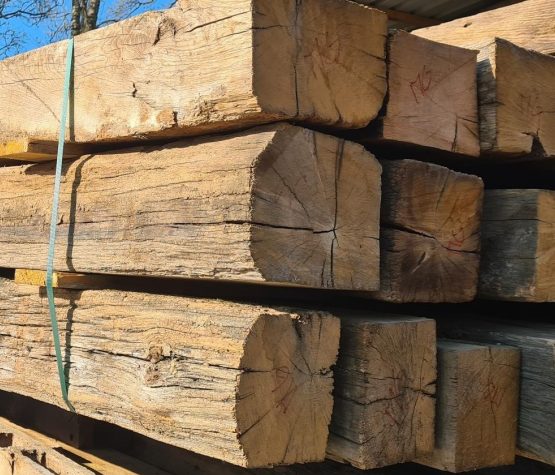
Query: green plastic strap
[53,224]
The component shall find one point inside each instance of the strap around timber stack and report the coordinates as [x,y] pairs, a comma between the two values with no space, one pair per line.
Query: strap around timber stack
[54,222]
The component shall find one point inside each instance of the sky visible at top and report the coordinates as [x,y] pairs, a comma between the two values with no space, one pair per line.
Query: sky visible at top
[35,35]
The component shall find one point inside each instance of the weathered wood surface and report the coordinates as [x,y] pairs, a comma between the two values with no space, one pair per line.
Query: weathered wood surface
[528,24]
[432,97]
[518,246]
[384,391]
[429,239]
[477,407]
[202,67]
[516,99]
[536,341]
[275,204]
[247,384]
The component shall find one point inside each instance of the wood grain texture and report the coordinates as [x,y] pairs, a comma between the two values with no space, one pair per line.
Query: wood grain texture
[429,239]
[246,384]
[518,246]
[529,24]
[273,204]
[432,97]
[536,341]
[204,66]
[517,100]
[477,406]
[384,391]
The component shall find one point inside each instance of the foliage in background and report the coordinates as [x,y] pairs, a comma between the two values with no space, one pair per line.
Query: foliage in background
[26,24]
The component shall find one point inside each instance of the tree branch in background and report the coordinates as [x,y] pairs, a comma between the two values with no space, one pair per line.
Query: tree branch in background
[87,15]
[12,35]
[75,18]
[63,17]
[90,15]
[9,43]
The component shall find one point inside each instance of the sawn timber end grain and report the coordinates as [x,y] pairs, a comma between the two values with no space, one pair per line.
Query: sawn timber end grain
[384,395]
[430,233]
[431,101]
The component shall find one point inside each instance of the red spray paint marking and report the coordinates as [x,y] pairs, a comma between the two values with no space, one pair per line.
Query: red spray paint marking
[421,85]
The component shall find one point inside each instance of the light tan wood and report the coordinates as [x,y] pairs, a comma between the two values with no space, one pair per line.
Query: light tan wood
[247,384]
[26,149]
[25,455]
[64,280]
[516,90]
[432,97]
[15,461]
[63,459]
[528,24]
[429,239]
[201,67]
[517,100]
[477,406]
[384,391]
[277,204]
[518,235]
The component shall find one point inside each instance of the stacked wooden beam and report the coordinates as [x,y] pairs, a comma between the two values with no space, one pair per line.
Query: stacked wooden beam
[528,24]
[515,86]
[519,243]
[260,366]
[478,393]
[429,237]
[201,68]
[535,341]
[248,384]
[517,124]
[385,387]
[293,152]
[255,204]
[431,100]
[516,98]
